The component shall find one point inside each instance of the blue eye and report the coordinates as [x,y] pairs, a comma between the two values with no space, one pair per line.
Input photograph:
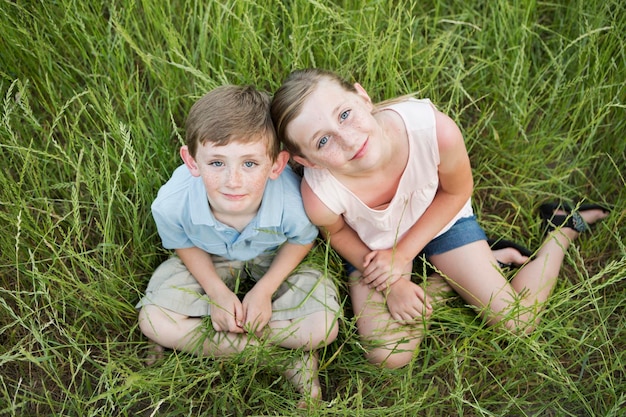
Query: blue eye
[216,164]
[249,164]
[323,141]
[344,115]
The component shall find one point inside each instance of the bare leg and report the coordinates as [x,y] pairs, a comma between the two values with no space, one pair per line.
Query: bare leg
[537,279]
[180,332]
[309,333]
[473,272]
[388,342]
[155,353]
[509,256]
[176,331]
[302,374]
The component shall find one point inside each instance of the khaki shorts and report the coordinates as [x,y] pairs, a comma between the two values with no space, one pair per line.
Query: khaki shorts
[304,292]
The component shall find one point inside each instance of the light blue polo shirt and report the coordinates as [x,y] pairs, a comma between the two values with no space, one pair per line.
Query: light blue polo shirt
[184,219]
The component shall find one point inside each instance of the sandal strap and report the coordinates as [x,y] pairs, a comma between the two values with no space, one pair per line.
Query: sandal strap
[576,222]
[571,219]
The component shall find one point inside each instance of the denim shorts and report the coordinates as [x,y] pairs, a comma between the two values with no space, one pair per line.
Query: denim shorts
[464,231]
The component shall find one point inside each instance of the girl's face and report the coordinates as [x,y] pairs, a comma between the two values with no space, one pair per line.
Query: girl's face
[336,130]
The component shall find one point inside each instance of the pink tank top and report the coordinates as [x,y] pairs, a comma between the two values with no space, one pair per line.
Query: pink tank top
[381,229]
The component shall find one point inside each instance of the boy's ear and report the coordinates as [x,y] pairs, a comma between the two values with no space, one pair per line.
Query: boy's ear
[189,161]
[279,164]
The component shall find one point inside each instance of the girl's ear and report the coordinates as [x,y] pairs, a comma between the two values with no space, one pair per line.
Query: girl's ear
[303,161]
[361,92]
[279,164]
[189,161]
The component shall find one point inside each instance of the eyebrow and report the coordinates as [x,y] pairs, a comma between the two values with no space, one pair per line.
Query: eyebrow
[316,134]
[245,156]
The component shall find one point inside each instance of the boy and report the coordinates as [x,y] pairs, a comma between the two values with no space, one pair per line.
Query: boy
[233,214]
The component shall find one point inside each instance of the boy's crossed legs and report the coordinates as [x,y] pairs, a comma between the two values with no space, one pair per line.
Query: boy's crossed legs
[305,316]
[187,334]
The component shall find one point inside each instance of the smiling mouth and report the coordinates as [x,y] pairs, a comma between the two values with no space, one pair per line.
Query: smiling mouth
[234,196]
[361,151]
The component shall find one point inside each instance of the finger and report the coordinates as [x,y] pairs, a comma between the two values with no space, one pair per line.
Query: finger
[367,278]
[239,314]
[380,281]
[376,278]
[252,323]
[423,297]
[368,258]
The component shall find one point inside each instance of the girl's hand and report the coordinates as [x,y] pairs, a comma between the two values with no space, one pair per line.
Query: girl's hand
[257,309]
[407,302]
[382,268]
[227,313]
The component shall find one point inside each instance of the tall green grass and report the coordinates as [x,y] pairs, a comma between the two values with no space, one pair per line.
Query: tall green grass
[92,99]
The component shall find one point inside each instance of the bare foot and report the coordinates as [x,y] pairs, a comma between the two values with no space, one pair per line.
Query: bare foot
[303,375]
[155,353]
[510,256]
[593,215]
[590,216]
[437,288]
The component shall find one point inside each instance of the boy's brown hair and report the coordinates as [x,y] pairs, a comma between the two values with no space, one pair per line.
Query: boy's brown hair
[231,113]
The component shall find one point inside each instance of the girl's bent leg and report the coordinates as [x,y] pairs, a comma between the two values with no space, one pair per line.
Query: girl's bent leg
[473,272]
[388,342]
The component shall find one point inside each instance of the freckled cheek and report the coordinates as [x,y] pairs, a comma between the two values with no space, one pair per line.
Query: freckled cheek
[257,183]
[212,182]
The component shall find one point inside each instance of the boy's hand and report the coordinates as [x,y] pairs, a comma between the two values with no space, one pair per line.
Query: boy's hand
[227,316]
[382,269]
[407,301]
[257,309]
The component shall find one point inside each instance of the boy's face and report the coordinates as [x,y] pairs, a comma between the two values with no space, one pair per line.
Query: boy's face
[234,176]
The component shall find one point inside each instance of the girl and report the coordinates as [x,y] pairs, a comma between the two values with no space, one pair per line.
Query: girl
[387,182]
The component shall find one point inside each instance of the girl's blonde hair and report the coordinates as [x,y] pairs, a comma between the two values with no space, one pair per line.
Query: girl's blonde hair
[290,97]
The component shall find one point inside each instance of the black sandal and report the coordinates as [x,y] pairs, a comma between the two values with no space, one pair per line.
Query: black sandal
[571,219]
[496,244]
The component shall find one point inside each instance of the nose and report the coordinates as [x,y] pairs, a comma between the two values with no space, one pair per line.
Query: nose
[234,177]
[347,139]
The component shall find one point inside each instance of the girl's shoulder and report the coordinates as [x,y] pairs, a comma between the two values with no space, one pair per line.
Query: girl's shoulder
[414,113]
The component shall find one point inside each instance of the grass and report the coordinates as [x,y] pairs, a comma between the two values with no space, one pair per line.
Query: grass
[92,99]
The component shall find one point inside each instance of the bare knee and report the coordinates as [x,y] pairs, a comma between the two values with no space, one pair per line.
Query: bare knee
[155,322]
[324,328]
[389,359]
[393,348]
[521,324]
[148,323]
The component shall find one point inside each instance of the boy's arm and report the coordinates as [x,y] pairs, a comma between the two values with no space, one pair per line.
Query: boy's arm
[257,303]
[226,309]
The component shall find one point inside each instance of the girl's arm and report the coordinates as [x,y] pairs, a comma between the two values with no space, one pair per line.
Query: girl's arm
[342,237]
[455,188]
[226,309]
